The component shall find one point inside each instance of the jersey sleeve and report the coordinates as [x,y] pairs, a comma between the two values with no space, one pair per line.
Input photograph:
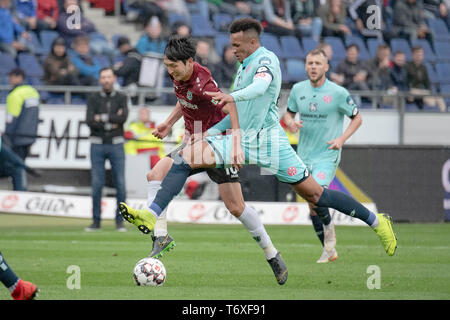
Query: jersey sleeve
[211,86]
[346,104]
[292,101]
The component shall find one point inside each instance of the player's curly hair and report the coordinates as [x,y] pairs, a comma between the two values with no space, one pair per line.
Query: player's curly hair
[180,48]
[245,24]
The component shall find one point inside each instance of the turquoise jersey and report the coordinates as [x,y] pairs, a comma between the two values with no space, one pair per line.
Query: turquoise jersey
[322,111]
[256,101]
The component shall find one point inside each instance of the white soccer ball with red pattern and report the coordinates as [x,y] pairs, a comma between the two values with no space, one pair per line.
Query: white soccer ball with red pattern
[149,272]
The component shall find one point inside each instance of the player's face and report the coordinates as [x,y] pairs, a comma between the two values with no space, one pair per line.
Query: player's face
[242,45]
[316,67]
[178,70]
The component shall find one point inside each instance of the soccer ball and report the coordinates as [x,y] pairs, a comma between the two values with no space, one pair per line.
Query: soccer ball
[149,272]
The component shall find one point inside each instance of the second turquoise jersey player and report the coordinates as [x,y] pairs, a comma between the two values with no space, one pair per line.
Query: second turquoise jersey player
[322,106]
[263,141]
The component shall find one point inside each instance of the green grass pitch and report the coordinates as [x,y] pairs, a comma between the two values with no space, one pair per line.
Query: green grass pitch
[223,262]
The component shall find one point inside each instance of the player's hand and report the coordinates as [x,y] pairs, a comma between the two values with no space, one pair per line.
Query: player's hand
[336,143]
[237,154]
[220,97]
[161,130]
[294,125]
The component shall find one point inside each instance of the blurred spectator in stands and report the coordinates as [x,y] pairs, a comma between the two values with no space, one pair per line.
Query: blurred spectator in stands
[444,9]
[331,74]
[435,9]
[152,40]
[204,56]
[139,134]
[13,37]
[177,7]
[106,113]
[22,115]
[399,75]
[47,14]
[419,82]
[226,69]
[278,18]
[354,70]
[236,7]
[130,67]
[182,29]
[199,7]
[362,16]
[58,67]
[333,15]
[88,66]
[67,23]
[409,22]
[146,10]
[305,18]
[26,13]
[380,68]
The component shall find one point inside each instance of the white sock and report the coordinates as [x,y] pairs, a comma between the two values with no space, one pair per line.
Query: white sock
[160,229]
[375,223]
[251,221]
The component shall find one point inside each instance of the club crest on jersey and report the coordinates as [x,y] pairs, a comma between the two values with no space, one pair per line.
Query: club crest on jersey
[313,106]
[327,99]
[292,171]
[189,95]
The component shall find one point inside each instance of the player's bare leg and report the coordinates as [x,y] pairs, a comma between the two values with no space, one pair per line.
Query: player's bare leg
[231,194]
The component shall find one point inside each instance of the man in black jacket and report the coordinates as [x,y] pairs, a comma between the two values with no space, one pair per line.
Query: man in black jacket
[106,113]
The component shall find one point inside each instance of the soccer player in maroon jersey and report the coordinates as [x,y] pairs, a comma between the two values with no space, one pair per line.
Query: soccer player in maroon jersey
[200,112]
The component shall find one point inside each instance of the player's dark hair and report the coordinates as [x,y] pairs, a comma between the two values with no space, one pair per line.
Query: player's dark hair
[245,24]
[180,48]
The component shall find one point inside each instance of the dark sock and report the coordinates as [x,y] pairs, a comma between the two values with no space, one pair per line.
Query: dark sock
[7,276]
[345,204]
[172,184]
[324,214]
[318,227]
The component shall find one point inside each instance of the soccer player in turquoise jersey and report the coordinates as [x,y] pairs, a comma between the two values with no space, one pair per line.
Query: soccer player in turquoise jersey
[261,140]
[322,105]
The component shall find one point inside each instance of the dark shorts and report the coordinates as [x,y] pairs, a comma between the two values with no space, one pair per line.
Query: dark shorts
[218,175]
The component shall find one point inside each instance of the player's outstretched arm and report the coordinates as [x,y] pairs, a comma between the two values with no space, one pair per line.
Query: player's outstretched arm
[355,123]
[163,129]
[292,124]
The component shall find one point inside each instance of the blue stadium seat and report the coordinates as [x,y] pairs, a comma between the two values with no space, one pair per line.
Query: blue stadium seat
[338,47]
[443,72]
[7,63]
[363,52]
[442,50]
[411,107]
[31,65]
[295,70]
[309,44]
[47,38]
[103,60]
[284,75]
[291,47]
[201,27]
[176,17]
[221,40]
[402,45]
[445,88]
[372,46]
[270,42]
[440,29]
[37,46]
[222,21]
[428,53]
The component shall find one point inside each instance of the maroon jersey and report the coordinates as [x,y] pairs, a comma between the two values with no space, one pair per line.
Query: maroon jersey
[195,104]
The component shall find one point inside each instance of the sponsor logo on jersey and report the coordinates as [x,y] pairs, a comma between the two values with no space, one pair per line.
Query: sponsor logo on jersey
[186,104]
[350,101]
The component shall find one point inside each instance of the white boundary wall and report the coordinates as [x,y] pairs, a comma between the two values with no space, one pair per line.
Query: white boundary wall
[182,211]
